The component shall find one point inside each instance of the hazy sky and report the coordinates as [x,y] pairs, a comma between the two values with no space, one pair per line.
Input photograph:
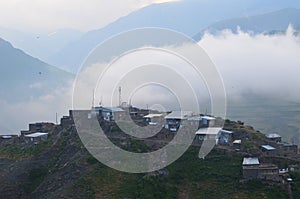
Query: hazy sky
[49,15]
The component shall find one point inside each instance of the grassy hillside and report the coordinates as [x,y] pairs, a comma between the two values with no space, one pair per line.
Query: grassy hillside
[62,168]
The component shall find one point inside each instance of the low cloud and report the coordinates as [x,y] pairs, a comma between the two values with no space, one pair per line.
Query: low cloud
[267,65]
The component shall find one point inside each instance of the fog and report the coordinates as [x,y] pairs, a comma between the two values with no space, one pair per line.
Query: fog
[266,65]
[15,117]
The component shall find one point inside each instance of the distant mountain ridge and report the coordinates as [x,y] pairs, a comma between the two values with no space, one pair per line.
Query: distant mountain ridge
[188,17]
[40,44]
[270,23]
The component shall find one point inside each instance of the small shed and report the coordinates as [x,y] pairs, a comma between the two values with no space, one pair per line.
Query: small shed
[250,167]
[110,113]
[237,144]
[173,119]
[225,137]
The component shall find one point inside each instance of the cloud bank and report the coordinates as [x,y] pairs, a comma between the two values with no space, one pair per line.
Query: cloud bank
[264,65]
[267,65]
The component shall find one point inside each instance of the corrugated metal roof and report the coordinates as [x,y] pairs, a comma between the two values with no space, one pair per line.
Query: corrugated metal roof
[273,135]
[109,109]
[268,147]
[208,118]
[34,135]
[208,131]
[153,115]
[250,161]
[179,115]
[225,131]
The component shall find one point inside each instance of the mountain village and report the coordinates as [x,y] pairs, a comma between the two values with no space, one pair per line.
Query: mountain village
[266,156]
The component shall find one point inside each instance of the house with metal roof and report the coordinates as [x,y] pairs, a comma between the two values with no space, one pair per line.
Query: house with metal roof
[225,137]
[174,119]
[110,113]
[268,150]
[273,137]
[253,169]
[250,167]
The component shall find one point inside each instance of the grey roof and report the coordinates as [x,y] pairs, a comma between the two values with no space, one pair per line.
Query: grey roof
[116,109]
[250,161]
[152,115]
[179,115]
[225,131]
[268,147]
[273,135]
[195,118]
[208,131]
[208,118]
[109,109]
[34,135]
[285,144]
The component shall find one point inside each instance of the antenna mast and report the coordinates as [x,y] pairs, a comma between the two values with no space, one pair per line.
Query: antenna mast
[120,95]
[93,102]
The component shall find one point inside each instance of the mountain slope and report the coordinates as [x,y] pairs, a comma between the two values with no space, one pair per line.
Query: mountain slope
[266,23]
[62,168]
[187,16]
[23,77]
[40,45]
